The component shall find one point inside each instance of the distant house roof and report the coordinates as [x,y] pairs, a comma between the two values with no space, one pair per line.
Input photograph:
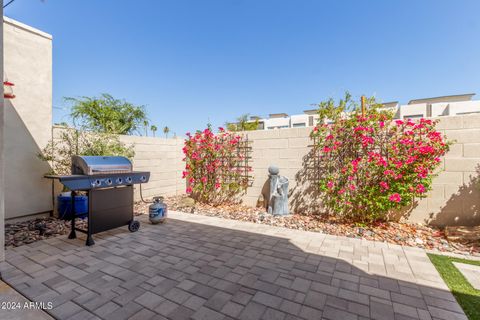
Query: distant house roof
[390,104]
[311,111]
[451,98]
[277,115]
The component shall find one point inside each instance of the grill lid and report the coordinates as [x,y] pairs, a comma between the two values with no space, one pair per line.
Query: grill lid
[91,165]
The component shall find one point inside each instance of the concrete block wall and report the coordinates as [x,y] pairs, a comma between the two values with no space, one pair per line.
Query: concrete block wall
[163,158]
[454,200]
[284,148]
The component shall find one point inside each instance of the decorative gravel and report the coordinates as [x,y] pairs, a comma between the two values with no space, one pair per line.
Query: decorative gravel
[25,232]
[405,234]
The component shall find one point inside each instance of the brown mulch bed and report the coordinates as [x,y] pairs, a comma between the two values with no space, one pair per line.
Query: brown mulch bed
[405,234]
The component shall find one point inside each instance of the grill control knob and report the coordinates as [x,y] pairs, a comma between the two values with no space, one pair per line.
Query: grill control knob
[128,179]
[143,178]
[119,180]
[98,183]
[109,182]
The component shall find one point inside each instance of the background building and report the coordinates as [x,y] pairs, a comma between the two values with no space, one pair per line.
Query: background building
[440,106]
[453,105]
[282,120]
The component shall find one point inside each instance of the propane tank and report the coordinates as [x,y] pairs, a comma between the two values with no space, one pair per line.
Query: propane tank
[157,211]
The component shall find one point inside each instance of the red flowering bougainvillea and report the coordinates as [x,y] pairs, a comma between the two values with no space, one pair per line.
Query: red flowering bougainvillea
[371,163]
[216,166]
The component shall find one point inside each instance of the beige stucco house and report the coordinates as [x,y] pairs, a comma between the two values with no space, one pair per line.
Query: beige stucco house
[26,125]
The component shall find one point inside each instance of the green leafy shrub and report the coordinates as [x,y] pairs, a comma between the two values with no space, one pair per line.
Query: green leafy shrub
[107,114]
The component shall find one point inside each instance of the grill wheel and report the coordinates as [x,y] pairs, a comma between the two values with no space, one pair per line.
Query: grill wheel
[133,226]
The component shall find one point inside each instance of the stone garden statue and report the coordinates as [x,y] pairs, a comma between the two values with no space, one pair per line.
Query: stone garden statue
[278,198]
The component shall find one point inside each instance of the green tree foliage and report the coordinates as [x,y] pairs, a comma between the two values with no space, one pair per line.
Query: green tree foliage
[166,130]
[243,124]
[145,126]
[330,110]
[98,121]
[154,129]
[106,114]
[59,151]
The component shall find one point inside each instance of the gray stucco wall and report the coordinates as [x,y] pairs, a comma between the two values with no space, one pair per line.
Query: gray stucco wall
[28,118]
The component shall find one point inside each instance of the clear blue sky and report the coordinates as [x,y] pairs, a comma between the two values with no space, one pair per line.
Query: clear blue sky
[190,62]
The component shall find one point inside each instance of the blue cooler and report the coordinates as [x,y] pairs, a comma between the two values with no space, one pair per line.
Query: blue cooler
[64,206]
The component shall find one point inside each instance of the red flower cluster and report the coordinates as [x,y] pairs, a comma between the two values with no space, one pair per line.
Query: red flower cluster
[372,163]
[214,167]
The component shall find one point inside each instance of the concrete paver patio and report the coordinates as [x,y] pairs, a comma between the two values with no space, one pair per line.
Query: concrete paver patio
[202,267]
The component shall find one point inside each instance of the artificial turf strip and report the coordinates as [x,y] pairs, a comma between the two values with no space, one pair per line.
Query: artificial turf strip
[467,297]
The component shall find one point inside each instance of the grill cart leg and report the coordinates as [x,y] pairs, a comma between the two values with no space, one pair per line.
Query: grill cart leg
[89,241]
[72,234]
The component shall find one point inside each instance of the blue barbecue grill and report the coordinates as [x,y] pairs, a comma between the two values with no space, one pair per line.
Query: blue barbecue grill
[108,182]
